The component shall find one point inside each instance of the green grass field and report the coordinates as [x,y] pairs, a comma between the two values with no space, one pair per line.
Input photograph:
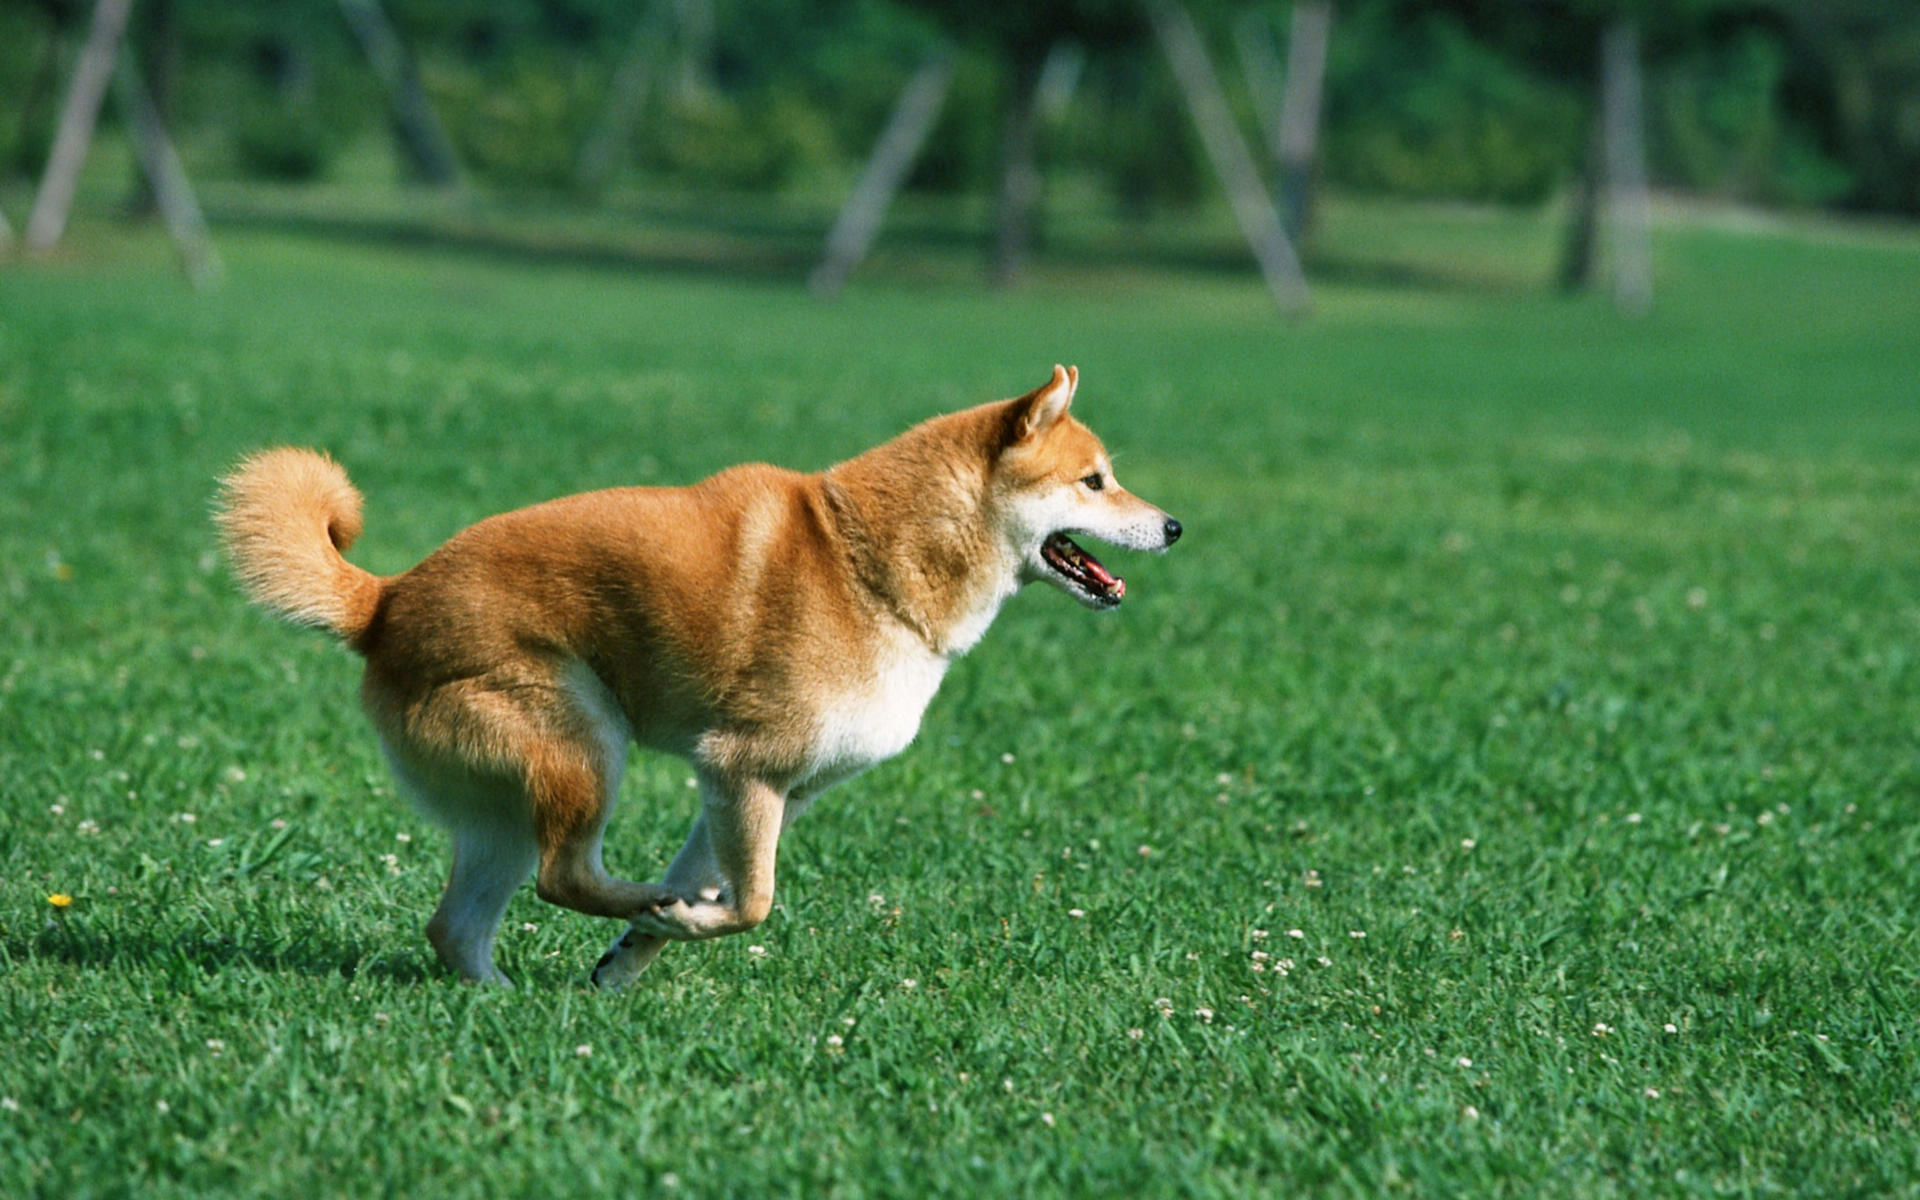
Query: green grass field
[1508,787]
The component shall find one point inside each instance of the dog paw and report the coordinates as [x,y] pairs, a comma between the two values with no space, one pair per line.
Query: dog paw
[671,918]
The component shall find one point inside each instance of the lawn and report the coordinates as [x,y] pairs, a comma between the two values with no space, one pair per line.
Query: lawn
[1509,785]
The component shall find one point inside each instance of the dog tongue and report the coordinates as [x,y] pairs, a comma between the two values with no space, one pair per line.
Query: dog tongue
[1112,583]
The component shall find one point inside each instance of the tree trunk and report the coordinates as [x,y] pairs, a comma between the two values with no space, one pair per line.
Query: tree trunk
[1627,201]
[626,95]
[165,176]
[156,43]
[1252,207]
[54,200]
[693,73]
[1578,260]
[426,151]
[893,155]
[1296,141]
[1019,189]
[1266,81]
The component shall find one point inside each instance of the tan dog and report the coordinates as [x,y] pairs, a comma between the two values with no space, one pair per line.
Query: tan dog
[780,631]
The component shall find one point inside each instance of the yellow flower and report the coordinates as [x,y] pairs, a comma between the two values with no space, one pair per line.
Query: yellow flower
[60,900]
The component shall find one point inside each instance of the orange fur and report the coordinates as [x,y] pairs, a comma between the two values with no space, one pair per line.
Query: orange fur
[779,630]
[285,516]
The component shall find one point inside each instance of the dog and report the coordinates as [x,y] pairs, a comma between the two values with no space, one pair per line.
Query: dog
[780,631]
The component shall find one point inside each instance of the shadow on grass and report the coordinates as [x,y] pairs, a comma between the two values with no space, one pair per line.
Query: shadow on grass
[154,950]
[705,256]
[771,248]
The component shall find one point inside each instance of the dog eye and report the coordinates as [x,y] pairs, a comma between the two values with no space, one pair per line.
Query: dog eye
[1095,481]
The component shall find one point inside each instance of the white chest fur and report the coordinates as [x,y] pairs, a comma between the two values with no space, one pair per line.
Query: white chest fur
[873,718]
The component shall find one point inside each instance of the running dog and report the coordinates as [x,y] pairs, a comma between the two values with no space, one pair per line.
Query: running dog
[780,631]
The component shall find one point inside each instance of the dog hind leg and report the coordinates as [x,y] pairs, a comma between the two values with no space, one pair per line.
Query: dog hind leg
[490,862]
[572,797]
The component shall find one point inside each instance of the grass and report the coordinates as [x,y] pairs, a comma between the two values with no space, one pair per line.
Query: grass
[1571,661]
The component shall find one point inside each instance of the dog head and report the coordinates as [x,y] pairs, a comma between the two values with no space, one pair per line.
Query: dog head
[1052,482]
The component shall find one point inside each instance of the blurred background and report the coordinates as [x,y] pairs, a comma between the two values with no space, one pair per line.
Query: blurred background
[1549,607]
[975,138]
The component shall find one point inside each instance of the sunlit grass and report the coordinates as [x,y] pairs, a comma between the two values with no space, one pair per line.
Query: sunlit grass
[1569,661]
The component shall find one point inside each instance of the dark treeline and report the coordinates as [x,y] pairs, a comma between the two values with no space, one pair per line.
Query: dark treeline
[1794,102]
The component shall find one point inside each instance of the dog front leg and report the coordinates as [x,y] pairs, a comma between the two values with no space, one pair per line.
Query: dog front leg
[693,872]
[723,878]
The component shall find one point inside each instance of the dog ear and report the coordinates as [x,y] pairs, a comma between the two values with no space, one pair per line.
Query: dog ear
[1039,410]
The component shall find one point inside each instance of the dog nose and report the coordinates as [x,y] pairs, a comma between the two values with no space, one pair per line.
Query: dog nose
[1173,531]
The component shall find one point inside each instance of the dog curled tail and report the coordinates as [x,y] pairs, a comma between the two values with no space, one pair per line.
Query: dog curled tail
[285,516]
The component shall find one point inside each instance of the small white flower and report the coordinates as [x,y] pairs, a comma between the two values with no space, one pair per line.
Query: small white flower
[909,984]
[9,1103]
[583,1050]
[1470,1113]
[216,841]
[185,818]
[1204,1013]
[235,775]
[403,838]
[1601,1029]
[381,1018]
[1076,913]
[757,951]
[1145,850]
[1467,843]
[1136,1034]
[1324,961]
[528,927]
[876,899]
[1653,1093]
[1006,758]
[1670,1027]
[1046,1119]
[1633,818]
[849,1022]
[1356,933]
[1463,1062]
[57,809]
[836,1041]
[1296,933]
[216,1045]
[277,823]
[88,827]
[163,1106]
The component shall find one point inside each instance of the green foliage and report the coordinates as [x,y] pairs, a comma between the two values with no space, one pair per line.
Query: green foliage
[1461,120]
[710,140]
[1802,102]
[519,120]
[281,141]
[1616,603]
[1135,132]
[1716,125]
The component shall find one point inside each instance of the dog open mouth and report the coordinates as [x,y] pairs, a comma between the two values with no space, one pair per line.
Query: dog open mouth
[1083,571]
